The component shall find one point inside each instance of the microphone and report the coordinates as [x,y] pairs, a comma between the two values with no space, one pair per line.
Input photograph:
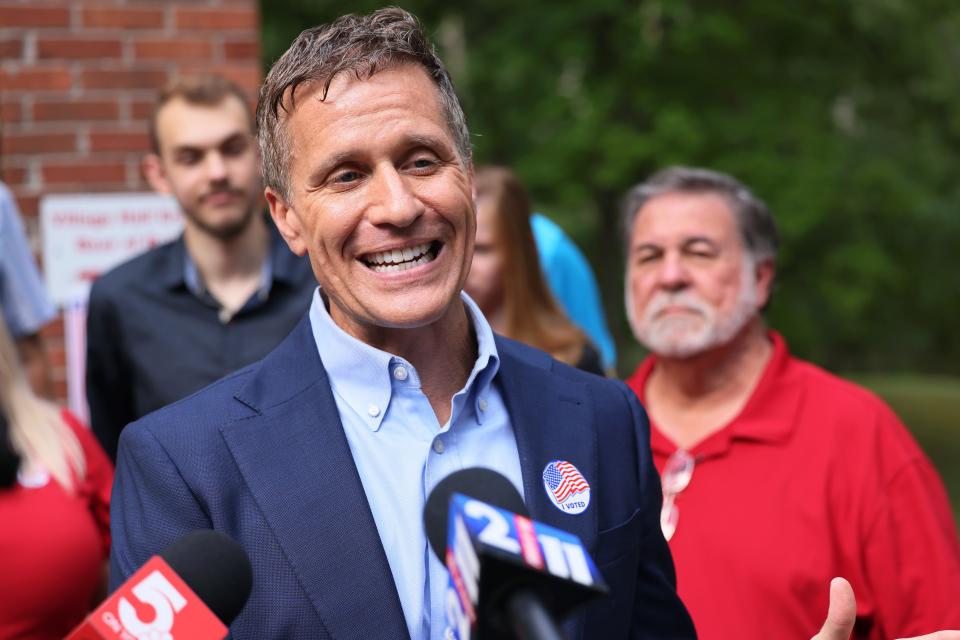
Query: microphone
[191,591]
[510,577]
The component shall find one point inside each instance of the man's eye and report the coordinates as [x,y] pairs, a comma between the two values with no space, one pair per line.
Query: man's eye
[188,158]
[423,163]
[346,177]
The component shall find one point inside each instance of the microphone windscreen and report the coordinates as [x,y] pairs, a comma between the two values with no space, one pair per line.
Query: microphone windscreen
[216,568]
[481,484]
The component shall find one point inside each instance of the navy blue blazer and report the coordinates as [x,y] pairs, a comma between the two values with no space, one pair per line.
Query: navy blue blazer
[262,457]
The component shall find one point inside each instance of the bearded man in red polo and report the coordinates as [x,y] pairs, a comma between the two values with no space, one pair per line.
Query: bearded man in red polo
[776,475]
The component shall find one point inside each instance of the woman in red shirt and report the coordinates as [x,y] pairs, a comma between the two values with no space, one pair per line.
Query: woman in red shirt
[54,511]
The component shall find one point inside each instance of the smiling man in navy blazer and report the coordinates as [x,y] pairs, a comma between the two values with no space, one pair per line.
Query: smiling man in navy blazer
[318,459]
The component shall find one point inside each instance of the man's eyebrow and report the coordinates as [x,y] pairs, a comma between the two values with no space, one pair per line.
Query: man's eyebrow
[695,239]
[234,137]
[690,240]
[329,164]
[230,137]
[645,246]
[420,140]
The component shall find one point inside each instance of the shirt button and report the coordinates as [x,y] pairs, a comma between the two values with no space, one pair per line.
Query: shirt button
[438,445]
[400,373]
[373,410]
[483,404]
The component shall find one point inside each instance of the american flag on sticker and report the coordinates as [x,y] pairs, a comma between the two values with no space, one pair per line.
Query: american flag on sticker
[566,486]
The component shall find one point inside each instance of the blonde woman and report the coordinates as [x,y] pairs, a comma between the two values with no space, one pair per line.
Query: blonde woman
[54,510]
[505,278]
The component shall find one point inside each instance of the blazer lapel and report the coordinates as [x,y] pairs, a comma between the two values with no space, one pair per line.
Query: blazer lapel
[297,463]
[551,422]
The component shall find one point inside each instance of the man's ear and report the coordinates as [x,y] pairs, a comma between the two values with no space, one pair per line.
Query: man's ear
[287,221]
[152,167]
[764,272]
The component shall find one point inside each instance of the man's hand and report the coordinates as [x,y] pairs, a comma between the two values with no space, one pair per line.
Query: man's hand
[842,613]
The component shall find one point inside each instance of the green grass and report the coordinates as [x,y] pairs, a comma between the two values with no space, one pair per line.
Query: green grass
[930,407]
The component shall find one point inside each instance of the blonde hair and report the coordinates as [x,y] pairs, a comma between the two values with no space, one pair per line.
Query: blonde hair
[37,431]
[531,313]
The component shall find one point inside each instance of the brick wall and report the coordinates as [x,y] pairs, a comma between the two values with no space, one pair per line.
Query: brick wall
[77,81]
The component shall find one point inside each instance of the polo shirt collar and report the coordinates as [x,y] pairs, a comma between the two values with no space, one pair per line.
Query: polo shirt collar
[361,374]
[768,417]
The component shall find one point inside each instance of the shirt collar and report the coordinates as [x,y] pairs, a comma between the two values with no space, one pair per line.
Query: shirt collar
[281,265]
[767,417]
[361,374]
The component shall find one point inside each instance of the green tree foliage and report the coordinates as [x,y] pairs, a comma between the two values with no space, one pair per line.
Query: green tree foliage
[843,116]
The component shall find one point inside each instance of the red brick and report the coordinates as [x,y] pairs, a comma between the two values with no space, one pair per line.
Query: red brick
[35,80]
[122,18]
[11,111]
[141,110]
[124,79]
[53,330]
[39,142]
[119,140]
[33,16]
[83,173]
[57,357]
[80,110]
[14,176]
[11,49]
[242,50]
[217,19]
[172,49]
[78,48]
[29,204]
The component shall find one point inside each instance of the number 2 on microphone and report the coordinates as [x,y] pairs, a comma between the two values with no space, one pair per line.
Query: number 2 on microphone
[496,533]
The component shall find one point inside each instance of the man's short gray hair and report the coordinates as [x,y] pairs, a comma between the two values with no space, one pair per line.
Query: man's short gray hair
[362,45]
[757,227]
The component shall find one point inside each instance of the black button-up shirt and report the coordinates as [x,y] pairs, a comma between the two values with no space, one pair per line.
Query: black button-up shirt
[155,335]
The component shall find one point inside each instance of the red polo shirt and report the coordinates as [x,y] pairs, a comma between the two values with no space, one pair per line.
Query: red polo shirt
[815,478]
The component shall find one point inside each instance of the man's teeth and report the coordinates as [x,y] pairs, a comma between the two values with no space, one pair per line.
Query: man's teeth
[399,259]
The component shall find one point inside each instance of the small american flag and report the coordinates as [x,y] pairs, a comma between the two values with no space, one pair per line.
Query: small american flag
[564,480]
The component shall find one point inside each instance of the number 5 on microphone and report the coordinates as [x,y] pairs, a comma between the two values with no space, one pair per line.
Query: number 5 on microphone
[154,590]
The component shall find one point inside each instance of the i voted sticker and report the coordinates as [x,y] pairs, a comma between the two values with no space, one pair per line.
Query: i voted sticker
[566,487]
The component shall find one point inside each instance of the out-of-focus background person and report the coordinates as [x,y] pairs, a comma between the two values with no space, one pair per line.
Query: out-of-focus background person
[505,279]
[777,475]
[26,307]
[178,317]
[55,485]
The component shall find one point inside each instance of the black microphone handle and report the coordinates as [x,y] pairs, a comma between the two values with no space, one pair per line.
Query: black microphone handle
[530,619]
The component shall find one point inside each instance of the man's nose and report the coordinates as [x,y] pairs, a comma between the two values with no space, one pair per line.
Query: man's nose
[393,201]
[216,167]
[673,274]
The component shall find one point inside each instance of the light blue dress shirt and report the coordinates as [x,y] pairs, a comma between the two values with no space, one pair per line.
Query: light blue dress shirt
[402,451]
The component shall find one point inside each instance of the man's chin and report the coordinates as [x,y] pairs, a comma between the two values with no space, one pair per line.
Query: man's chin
[677,345]
[224,229]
